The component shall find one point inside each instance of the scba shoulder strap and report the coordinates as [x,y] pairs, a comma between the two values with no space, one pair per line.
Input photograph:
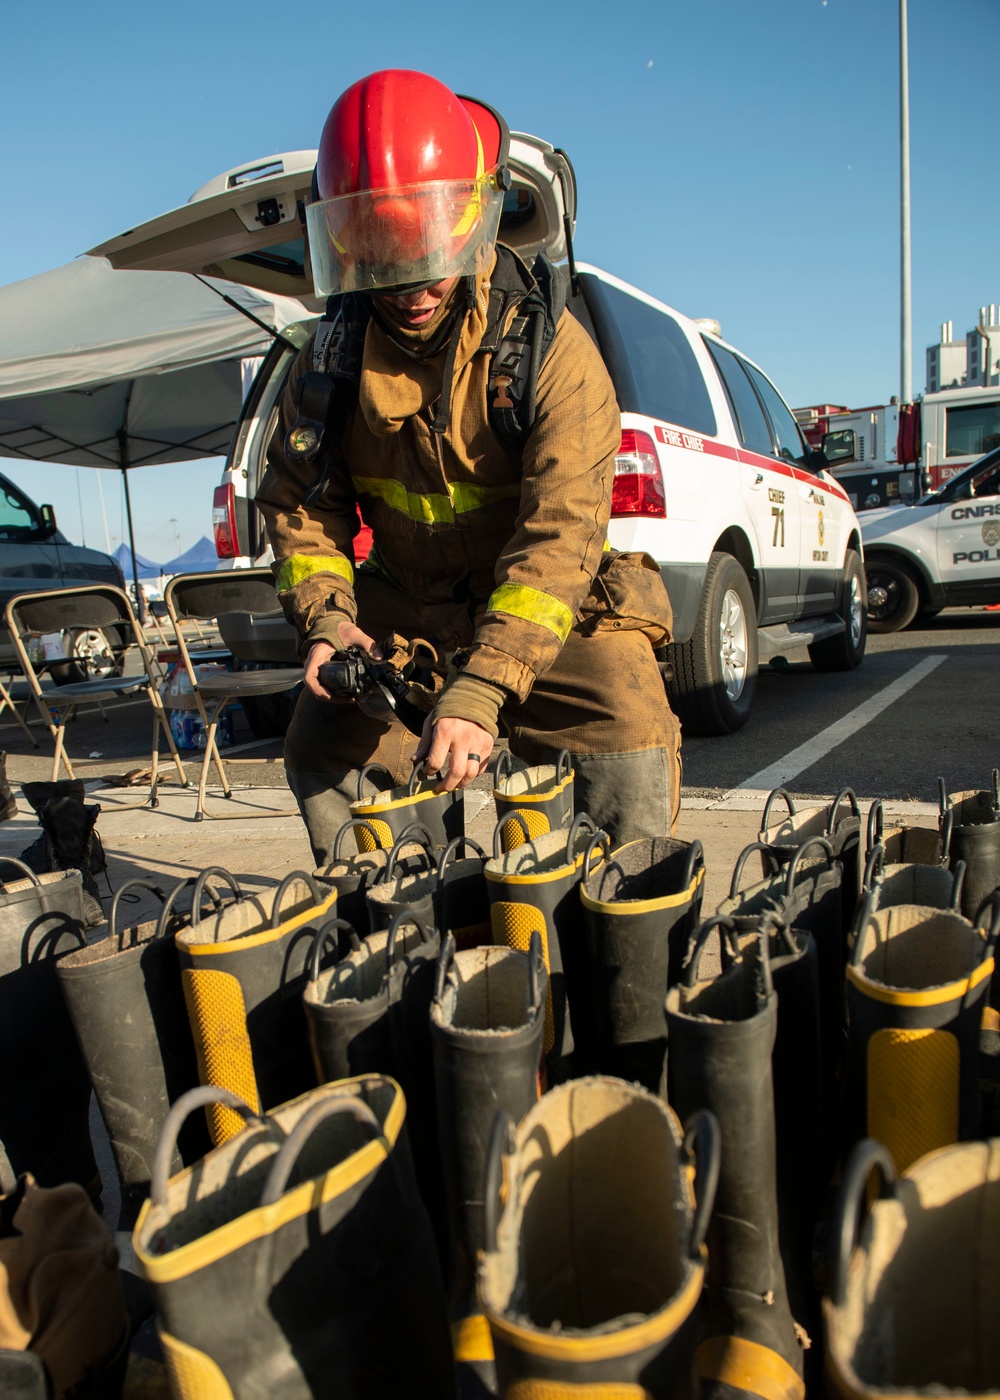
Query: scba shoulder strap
[327,392]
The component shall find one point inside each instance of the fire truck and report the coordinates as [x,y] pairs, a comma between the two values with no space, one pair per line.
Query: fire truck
[891,453]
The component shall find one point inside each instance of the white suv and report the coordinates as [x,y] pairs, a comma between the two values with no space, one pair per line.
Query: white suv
[759,547]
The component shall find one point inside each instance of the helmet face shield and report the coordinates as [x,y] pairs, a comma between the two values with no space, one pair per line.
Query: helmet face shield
[380,240]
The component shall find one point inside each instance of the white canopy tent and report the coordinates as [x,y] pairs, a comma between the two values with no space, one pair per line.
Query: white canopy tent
[103,368]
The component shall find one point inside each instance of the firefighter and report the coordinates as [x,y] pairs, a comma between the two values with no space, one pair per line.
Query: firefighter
[491,545]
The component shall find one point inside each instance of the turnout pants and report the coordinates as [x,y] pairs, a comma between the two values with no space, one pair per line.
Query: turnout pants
[603,699]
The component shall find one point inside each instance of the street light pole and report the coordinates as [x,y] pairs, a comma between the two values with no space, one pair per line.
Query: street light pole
[905,318]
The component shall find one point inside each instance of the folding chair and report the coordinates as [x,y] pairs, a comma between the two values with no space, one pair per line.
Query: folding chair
[202,597]
[102,607]
[10,694]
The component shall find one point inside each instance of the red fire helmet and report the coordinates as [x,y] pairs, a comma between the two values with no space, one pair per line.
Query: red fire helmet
[409,185]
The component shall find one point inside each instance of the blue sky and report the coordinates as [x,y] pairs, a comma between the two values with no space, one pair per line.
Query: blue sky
[736,158]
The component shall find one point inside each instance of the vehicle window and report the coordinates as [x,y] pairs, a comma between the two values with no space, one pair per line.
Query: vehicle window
[18,517]
[650,359]
[751,424]
[987,483]
[973,429]
[786,430]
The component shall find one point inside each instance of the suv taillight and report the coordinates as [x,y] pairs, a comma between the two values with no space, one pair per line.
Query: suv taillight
[224,522]
[638,485]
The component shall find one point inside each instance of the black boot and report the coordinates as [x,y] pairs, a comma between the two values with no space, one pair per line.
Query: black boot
[73,844]
[8,806]
[720,1036]
[974,821]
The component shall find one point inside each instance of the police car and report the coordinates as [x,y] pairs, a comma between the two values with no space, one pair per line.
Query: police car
[758,545]
[942,551]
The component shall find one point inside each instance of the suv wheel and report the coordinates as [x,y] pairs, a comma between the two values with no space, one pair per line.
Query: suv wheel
[847,650]
[93,655]
[715,672]
[893,595]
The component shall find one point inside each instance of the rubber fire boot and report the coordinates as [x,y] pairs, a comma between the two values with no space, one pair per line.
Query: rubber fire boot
[8,804]
[126,1000]
[975,838]
[720,1036]
[487,1018]
[594,1260]
[639,909]
[542,795]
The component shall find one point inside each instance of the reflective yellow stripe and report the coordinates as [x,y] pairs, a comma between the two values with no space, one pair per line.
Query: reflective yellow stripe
[748,1366]
[195,1375]
[433,507]
[299,567]
[518,600]
[471,1340]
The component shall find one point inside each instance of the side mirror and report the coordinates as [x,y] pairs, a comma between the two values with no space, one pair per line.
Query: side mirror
[48,515]
[841,446]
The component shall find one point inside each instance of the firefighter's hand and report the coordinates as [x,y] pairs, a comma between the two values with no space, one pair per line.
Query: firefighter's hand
[456,744]
[322,652]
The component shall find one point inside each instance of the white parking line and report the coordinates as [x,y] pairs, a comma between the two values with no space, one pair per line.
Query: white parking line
[798,760]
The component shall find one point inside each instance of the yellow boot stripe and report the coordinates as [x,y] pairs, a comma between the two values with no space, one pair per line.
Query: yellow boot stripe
[749,1366]
[218,1017]
[512,925]
[471,1339]
[366,841]
[194,1375]
[991,1019]
[298,567]
[512,832]
[531,604]
[566,1390]
[912,1092]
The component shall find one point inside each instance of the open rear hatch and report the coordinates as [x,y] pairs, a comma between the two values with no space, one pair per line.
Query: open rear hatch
[248,224]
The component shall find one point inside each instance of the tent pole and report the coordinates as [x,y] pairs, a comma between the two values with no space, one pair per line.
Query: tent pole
[140,602]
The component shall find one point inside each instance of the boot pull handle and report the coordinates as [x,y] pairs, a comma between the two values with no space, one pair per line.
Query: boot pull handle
[445,959]
[796,861]
[496,1183]
[996,790]
[404,916]
[946,827]
[741,860]
[498,830]
[323,937]
[288,1153]
[956,889]
[581,822]
[865,916]
[355,824]
[599,838]
[535,971]
[867,1157]
[200,1097]
[172,898]
[702,1148]
[564,765]
[874,865]
[12,860]
[116,901]
[728,931]
[944,801]
[371,768]
[286,884]
[695,861]
[211,872]
[414,834]
[876,824]
[990,934]
[502,769]
[452,848]
[832,821]
[783,928]
[778,792]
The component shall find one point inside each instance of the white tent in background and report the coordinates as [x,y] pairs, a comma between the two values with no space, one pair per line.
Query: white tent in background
[127,369]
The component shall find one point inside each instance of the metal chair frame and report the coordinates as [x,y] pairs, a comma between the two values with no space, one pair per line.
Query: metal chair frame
[99,606]
[201,597]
